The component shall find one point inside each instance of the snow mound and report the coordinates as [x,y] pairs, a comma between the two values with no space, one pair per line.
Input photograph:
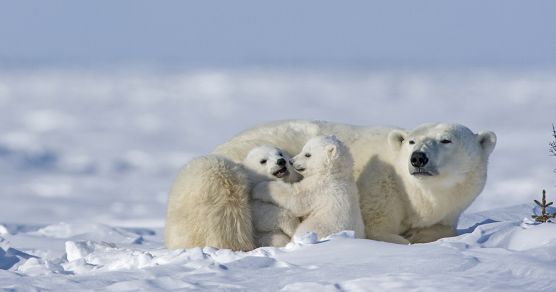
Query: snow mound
[515,236]
[85,256]
[512,254]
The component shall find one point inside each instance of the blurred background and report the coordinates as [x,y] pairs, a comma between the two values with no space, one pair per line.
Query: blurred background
[101,102]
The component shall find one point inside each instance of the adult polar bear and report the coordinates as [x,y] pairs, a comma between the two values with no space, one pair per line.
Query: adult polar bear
[413,185]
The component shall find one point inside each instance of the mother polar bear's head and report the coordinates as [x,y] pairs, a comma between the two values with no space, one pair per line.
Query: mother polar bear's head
[442,154]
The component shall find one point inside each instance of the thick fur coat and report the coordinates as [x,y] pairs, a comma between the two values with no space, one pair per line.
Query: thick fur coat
[399,202]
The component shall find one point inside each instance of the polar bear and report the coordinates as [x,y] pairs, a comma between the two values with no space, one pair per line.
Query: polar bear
[417,191]
[400,202]
[267,162]
[327,197]
[274,226]
[209,205]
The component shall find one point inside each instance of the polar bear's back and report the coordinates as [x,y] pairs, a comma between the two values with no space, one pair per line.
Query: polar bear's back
[290,136]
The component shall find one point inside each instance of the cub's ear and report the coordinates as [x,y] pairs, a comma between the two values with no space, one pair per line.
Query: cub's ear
[395,138]
[487,140]
[331,150]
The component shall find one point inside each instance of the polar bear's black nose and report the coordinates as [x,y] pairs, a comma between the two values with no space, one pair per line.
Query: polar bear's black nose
[281,162]
[419,159]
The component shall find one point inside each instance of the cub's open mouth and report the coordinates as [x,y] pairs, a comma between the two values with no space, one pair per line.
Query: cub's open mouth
[281,172]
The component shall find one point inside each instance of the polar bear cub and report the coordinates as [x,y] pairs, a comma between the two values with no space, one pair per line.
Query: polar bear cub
[274,226]
[327,197]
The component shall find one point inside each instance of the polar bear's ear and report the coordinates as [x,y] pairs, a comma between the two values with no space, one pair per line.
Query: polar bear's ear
[396,137]
[331,150]
[487,140]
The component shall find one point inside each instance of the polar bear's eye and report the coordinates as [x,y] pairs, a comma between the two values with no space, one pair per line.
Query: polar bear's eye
[445,141]
[307,155]
[263,161]
[280,154]
[411,142]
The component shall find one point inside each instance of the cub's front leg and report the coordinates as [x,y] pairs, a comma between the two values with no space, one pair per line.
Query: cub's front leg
[282,194]
[268,217]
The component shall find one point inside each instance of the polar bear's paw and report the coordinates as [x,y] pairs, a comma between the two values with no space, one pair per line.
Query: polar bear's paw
[304,239]
[345,234]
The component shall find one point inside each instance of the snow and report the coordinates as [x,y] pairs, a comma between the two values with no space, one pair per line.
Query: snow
[492,255]
[87,158]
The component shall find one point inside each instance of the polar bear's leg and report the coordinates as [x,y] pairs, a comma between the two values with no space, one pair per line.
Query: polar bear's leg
[268,217]
[388,237]
[320,224]
[283,195]
[288,222]
[430,234]
[276,239]
[209,206]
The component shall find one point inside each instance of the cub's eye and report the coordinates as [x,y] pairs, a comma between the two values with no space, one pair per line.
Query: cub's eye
[445,141]
[280,154]
[411,142]
[307,155]
[263,161]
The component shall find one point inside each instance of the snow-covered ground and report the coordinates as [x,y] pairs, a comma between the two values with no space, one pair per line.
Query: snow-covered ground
[87,158]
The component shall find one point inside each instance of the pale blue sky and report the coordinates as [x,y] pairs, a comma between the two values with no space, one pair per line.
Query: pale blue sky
[279,33]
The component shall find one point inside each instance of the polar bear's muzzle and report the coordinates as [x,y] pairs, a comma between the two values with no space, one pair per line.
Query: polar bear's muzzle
[420,172]
[419,165]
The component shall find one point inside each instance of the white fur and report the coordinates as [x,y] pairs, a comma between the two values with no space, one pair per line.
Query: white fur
[327,197]
[209,206]
[396,206]
[274,226]
[431,205]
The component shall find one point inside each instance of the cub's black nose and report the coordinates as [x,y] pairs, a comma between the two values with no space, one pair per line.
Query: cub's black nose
[419,159]
[281,162]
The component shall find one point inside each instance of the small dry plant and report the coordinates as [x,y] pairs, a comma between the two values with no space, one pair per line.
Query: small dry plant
[545,216]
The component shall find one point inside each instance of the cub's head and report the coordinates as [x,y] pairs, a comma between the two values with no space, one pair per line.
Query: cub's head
[269,162]
[323,155]
[447,153]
